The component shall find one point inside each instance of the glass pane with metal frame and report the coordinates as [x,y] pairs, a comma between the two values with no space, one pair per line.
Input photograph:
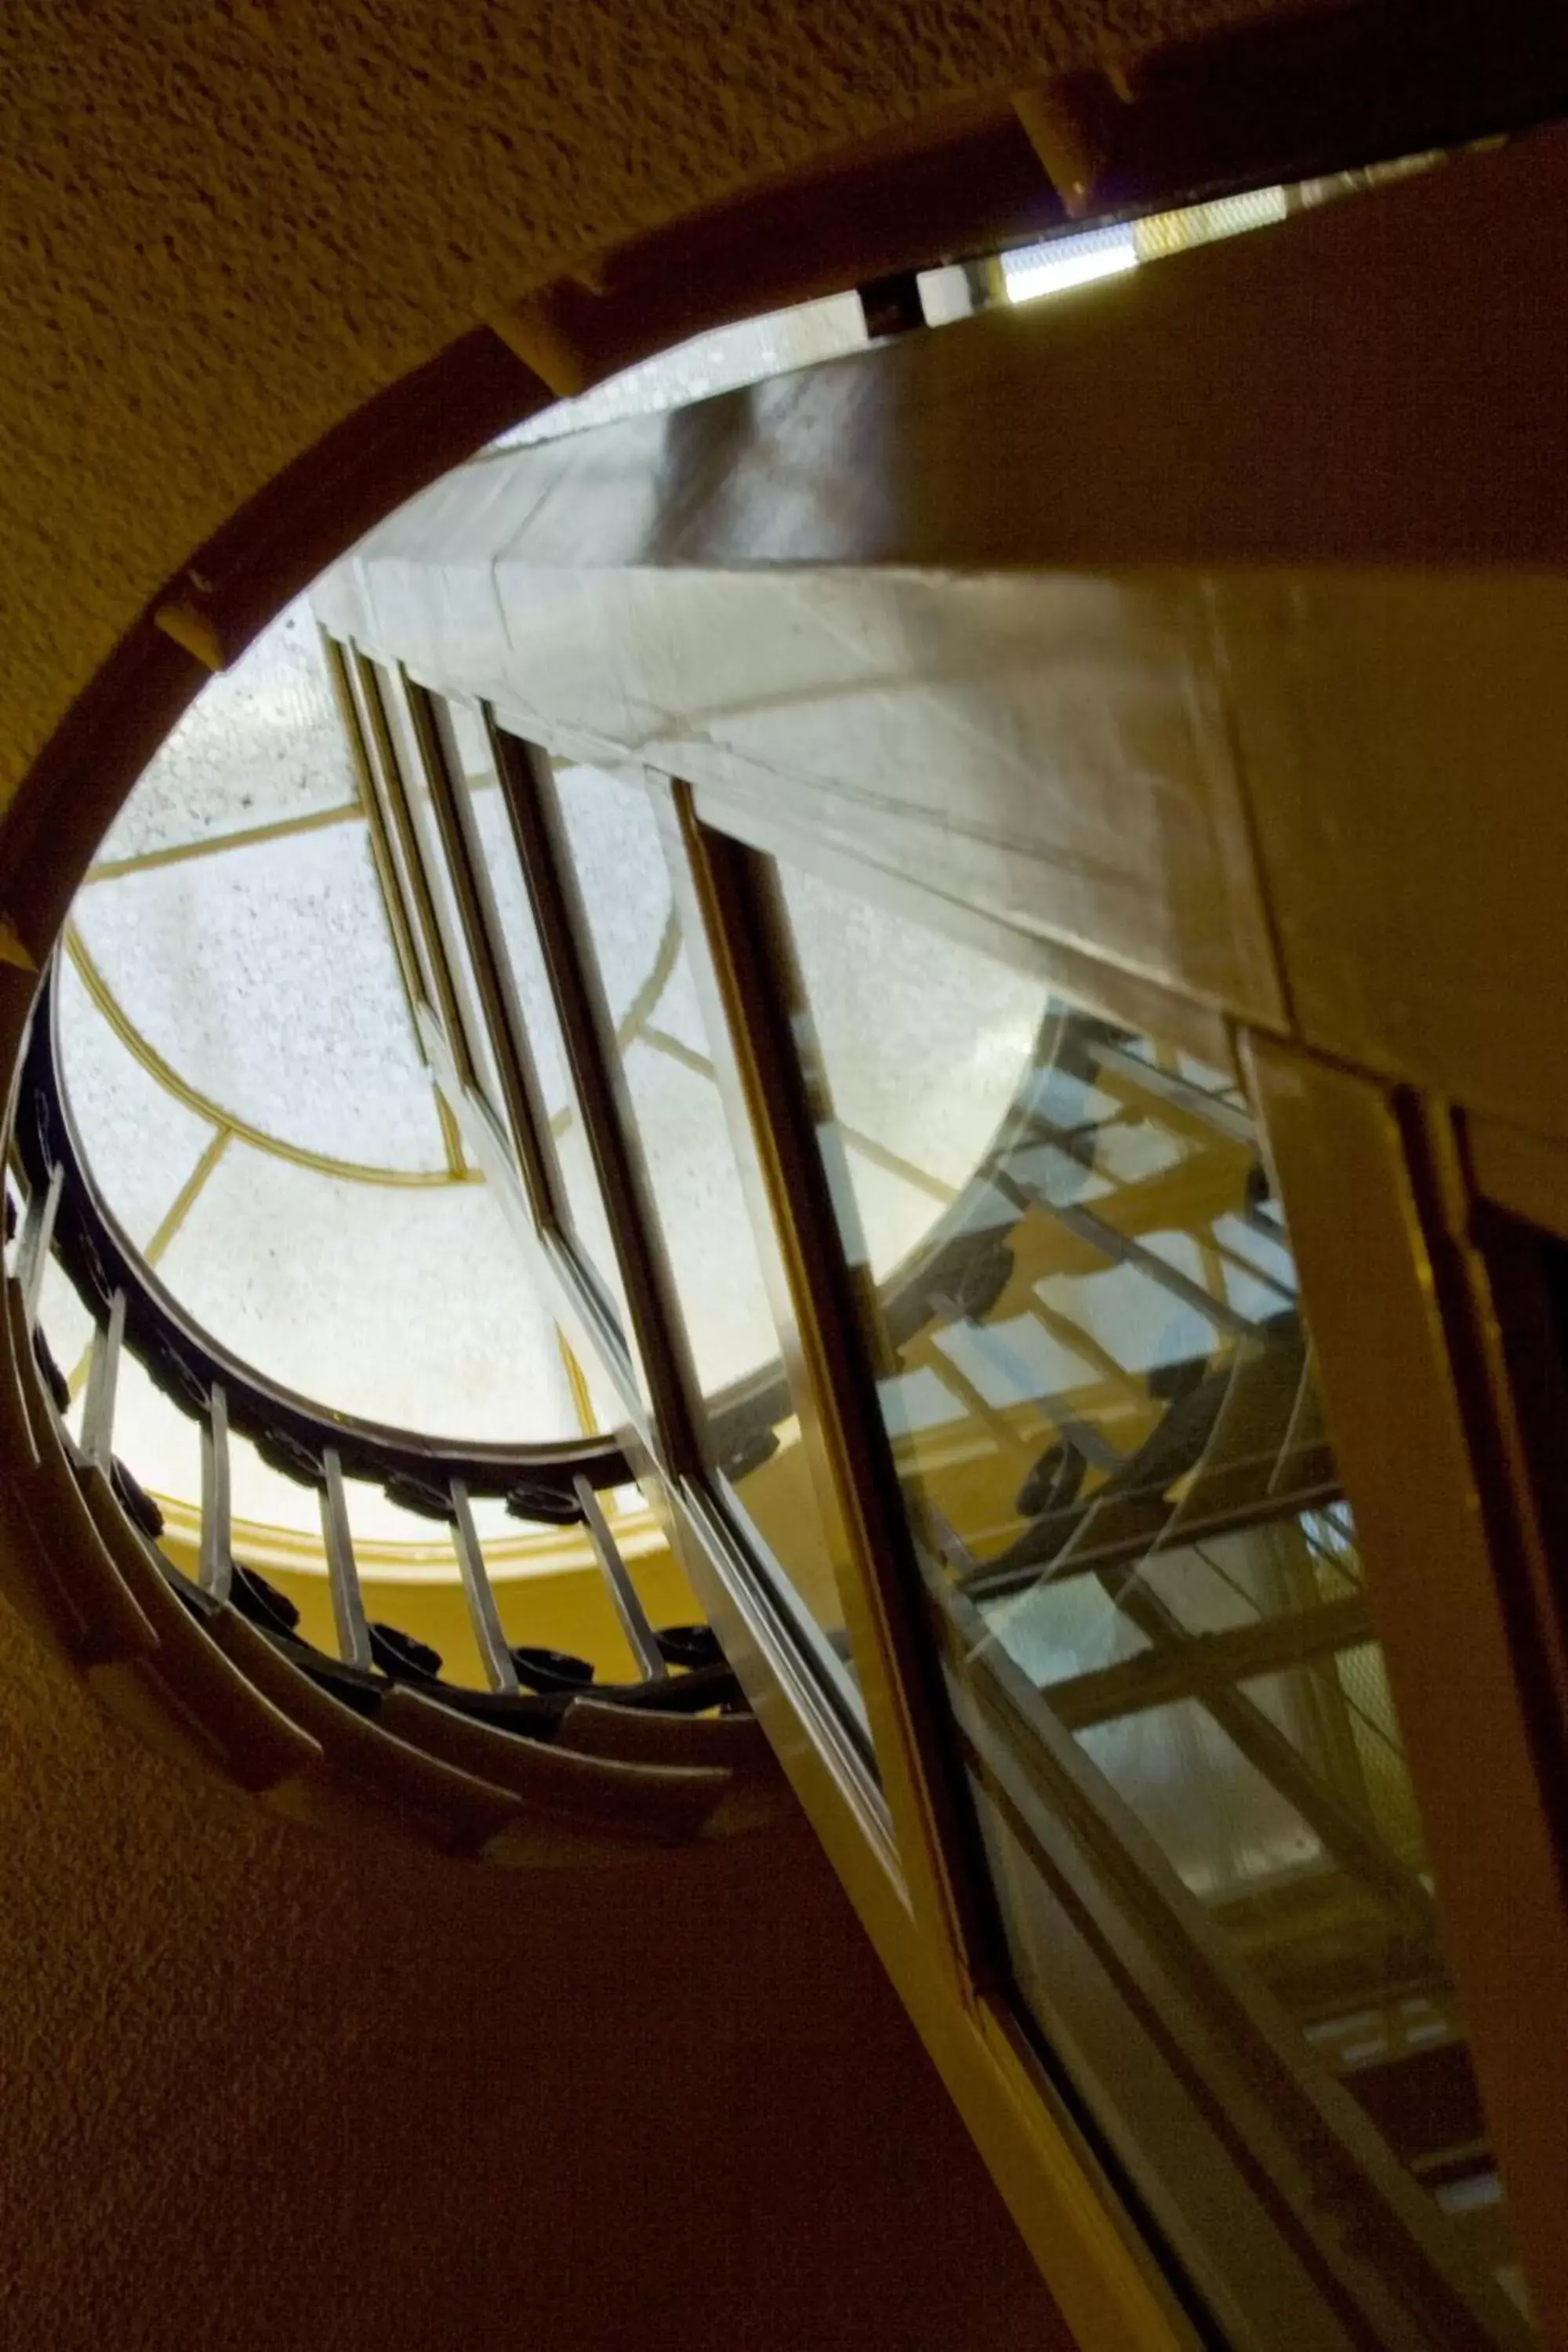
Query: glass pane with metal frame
[577,1197]
[392,865]
[1132,1550]
[752,1440]
[472,1049]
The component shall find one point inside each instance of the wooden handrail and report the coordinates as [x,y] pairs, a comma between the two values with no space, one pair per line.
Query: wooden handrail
[642,1803]
[210,1688]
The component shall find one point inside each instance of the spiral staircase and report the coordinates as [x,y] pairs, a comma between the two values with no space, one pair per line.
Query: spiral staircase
[546,1768]
[555,1762]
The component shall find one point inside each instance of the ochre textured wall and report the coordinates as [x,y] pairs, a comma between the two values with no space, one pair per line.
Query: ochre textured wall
[258,2091]
[255,2089]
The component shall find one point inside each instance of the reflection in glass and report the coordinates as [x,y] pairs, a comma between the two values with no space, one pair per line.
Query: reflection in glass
[751,1437]
[1101,1402]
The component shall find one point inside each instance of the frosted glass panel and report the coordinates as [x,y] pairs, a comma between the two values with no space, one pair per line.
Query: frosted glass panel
[264,977]
[140,1141]
[260,745]
[400,1305]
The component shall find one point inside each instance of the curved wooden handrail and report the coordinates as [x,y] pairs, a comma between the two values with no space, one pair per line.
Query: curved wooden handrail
[734,1743]
[290,1431]
[364,1753]
[641,1804]
[426,1800]
[191,1685]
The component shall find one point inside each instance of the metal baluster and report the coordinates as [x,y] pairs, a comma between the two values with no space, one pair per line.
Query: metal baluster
[348,1605]
[481,1600]
[103,1377]
[102,1384]
[38,1233]
[215,1571]
[623,1593]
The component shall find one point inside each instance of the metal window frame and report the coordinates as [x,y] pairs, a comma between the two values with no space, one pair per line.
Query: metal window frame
[368,793]
[710,918]
[936,1836]
[442,868]
[652,1348]
[437,992]
[702,1512]
[934,1847]
[1393,1237]
[842,1428]
[932,1852]
[695,1499]
[565,1252]
[518,1117]
[1433,1278]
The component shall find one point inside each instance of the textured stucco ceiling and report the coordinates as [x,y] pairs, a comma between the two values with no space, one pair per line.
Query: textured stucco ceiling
[258,2090]
[221,227]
